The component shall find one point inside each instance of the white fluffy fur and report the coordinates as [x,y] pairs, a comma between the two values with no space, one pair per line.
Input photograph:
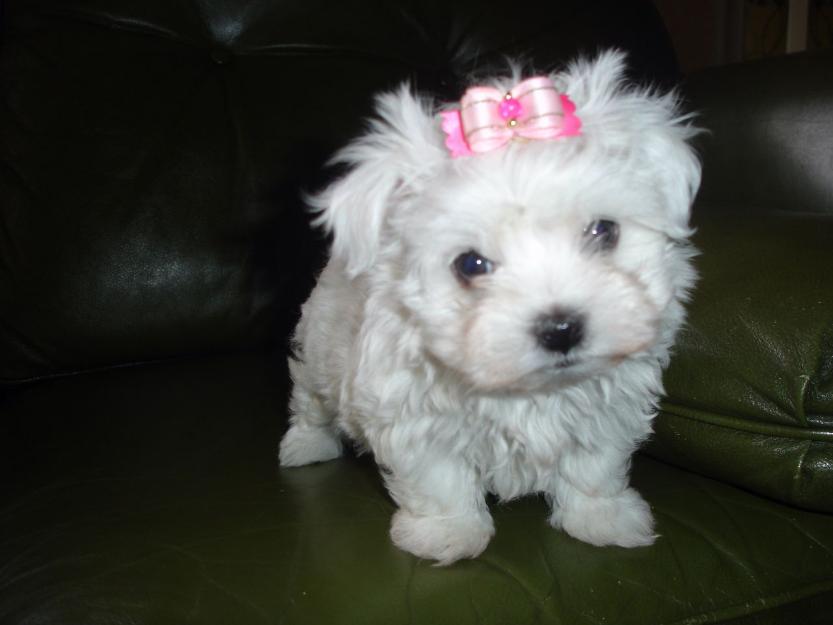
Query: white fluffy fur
[446,384]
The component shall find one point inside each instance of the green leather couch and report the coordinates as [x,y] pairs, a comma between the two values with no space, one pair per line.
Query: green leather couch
[154,252]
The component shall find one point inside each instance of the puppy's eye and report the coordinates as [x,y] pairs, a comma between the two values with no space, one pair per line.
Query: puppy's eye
[470,265]
[603,234]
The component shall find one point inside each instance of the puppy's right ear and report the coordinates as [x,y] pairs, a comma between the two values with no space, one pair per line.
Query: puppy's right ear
[389,165]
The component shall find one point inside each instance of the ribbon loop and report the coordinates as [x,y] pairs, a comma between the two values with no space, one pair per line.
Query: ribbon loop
[489,119]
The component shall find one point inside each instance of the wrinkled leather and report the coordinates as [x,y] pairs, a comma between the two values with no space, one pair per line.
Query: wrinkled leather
[152,495]
[750,388]
[154,153]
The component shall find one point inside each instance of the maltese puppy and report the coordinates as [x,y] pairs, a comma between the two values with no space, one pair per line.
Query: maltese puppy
[506,279]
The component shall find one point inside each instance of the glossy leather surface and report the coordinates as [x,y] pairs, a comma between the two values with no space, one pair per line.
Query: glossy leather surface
[175,512]
[772,148]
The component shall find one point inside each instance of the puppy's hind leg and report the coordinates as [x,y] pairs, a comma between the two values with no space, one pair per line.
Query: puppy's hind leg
[312,436]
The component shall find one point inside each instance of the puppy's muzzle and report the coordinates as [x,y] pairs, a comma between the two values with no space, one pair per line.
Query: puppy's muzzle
[560,331]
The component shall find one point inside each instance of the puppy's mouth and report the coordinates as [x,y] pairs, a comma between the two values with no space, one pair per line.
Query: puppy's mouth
[593,361]
[562,371]
[566,362]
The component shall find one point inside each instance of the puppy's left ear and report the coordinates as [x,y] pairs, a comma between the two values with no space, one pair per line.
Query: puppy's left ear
[677,167]
[643,124]
[389,165]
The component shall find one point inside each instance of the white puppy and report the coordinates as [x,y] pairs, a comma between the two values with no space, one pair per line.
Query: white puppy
[496,319]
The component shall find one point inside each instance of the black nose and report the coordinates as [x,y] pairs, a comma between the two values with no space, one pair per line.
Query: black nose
[559,332]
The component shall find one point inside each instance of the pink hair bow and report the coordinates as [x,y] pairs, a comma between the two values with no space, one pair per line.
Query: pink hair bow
[489,119]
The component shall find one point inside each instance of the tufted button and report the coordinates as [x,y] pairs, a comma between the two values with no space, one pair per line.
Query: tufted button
[220,56]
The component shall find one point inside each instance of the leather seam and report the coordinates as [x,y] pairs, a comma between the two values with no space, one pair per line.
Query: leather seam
[138,27]
[9,384]
[743,425]
[276,50]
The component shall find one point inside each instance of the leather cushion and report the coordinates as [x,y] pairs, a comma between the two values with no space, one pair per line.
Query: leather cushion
[769,144]
[750,388]
[152,494]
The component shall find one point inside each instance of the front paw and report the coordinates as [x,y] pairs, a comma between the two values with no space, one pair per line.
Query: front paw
[444,539]
[624,519]
[305,444]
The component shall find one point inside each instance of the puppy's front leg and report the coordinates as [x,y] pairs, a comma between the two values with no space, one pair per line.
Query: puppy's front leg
[312,436]
[442,510]
[591,500]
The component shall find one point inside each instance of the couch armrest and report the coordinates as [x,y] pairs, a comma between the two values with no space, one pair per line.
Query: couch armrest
[750,388]
[770,140]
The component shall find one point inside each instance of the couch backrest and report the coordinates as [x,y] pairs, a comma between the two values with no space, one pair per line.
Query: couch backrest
[767,149]
[153,152]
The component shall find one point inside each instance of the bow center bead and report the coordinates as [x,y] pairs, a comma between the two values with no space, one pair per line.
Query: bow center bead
[509,108]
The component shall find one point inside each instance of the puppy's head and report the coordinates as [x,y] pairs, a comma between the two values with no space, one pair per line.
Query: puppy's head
[537,264]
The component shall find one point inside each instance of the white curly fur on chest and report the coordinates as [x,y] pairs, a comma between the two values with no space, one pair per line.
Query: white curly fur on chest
[396,401]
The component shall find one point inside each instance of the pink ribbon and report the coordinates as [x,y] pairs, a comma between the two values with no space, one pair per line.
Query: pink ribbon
[489,119]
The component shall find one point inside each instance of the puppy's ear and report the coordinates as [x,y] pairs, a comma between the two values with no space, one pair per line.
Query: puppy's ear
[676,169]
[388,166]
[641,124]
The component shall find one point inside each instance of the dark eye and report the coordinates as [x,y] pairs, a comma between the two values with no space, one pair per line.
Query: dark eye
[470,265]
[603,234]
